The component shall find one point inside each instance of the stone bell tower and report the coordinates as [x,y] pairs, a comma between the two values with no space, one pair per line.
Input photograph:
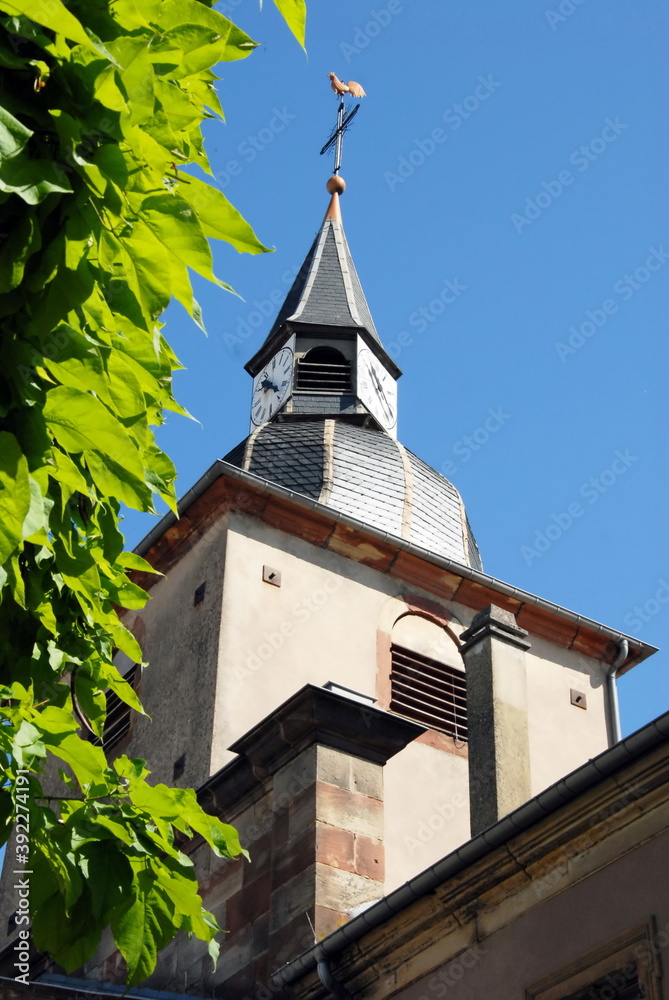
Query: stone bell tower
[329,665]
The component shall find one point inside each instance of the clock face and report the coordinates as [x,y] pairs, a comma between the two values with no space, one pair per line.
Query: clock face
[377,389]
[271,386]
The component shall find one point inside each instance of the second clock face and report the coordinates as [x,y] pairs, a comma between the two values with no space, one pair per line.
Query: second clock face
[377,389]
[272,387]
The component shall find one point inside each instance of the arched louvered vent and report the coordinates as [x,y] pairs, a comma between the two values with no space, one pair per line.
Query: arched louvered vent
[119,715]
[429,692]
[427,677]
[323,369]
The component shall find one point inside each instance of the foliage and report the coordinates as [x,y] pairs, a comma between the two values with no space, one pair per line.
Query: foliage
[101,104]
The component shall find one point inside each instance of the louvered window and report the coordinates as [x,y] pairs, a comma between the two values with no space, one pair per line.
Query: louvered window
[117,723]
[428,692]
[323,369]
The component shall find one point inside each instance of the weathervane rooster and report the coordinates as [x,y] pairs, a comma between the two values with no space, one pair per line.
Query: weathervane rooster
[335,141]
[341,88]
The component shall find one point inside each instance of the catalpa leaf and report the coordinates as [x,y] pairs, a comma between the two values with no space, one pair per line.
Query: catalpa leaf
[27,744]
[294,13]
[114,480]
[109,877]
[13,135]
[70,934]
[220,219]
[15,494]
[144,927]
[54,15]
[174,224]
[79,422]
[88,762]
[233,43]
[130,560]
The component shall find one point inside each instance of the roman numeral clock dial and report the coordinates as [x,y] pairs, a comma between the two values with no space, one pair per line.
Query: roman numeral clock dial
[377,389]
[271,387]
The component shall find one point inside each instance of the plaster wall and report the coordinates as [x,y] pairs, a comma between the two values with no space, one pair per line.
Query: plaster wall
[180,642]
[426,803]
[562,736]
[319,625]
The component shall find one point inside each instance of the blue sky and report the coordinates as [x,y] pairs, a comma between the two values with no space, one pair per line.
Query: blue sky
[515,151]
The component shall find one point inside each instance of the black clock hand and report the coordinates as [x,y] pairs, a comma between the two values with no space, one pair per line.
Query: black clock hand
[382,393]
[375,377]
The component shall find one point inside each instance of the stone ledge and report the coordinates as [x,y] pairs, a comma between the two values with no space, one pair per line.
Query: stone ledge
[315,715]
[312,716]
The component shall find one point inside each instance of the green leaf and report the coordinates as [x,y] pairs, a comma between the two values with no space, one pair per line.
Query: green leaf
[219,219]
[152,271]
[16,249]
[36,521]
[70,934]
[13,135]
[80,422]
[232,43]
[126,642]
[32,180]
[27,744]
[54,15]
[129,595]
[114,480]
[121,688]
[15,494]
[109,877]
[64,471]
[174,224]
[130,560]
[294,13]
[88,762]
[146,926]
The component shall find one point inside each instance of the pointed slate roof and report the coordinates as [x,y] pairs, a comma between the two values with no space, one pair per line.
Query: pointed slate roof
[327,290]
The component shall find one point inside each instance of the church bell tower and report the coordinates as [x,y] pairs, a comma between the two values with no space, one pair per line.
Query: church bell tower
[328,664]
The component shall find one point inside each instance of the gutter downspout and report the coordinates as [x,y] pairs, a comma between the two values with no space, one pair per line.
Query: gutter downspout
[612,691]
[337,990]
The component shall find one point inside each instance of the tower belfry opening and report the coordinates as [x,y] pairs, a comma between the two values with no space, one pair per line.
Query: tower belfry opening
[323,369]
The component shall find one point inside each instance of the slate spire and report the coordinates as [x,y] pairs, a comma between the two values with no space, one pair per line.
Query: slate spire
[327,293]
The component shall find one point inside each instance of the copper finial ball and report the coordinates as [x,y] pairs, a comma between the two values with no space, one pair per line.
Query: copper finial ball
[336,185]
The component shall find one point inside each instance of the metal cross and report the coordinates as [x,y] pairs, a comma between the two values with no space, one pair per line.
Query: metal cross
[337,137]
